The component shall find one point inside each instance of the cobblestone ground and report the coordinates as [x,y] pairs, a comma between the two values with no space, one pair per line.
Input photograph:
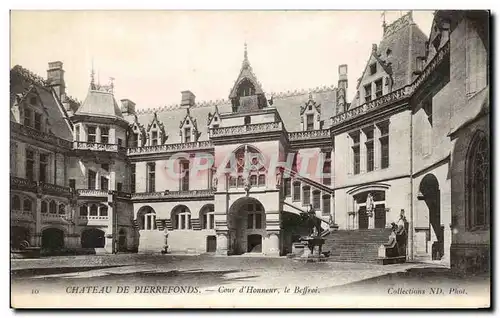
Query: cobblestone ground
[209,273]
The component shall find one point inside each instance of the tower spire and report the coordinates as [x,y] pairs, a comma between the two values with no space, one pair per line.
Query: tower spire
[92,73]
[246,64]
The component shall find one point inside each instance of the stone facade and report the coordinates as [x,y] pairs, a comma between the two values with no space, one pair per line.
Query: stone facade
[93,176]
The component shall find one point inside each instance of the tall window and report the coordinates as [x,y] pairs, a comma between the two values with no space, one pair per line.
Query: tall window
[135,140]
[93,210]
[327,168]
[28,113]
[310,122]
[91,179]
[38,121]
[154,138]
[104,183]
[77,133]
[119,186]
[326,204]
[132,178]
[373,68]
[16,203]
[296,191]
[44,161]
[104,135]
[148,221]
[208,221]
[28,205]
[384,145]
[151,167]
[368,92]
[316,199]
[378,88]
[103,210]
[91,134]
[44,208]
[187,135]
[356,152]
[478,194]
[254,216]
[306,195]
[53,207]
[83,210]
[369,150]
[30,165]
[185,175]
[62,209]
[288,187]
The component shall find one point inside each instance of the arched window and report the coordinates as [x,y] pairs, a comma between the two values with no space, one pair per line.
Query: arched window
[182,218]
[479,183]
[306,195]
[83,210]
[16,203]
[53,207]
[93,210]
[149,221]
[249,163]
[44,207]
[62,209]
[27,205]
[208,217]
[103,210]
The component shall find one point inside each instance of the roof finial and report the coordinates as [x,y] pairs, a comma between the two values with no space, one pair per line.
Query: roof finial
[245,57]
[92,73]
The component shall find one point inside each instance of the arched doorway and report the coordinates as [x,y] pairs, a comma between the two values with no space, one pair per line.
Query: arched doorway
[375,200]
[122,240]
[93,238]
[429,192]
[52,239]
[254,243]
[246,218]
[18,234]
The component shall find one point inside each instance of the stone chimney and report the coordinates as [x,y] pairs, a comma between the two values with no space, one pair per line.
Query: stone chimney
[342,89]
[128,107]
[55,78]
[188,99]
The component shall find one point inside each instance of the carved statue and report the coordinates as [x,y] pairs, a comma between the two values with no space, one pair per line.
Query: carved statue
[214,182]
[369,204]
[312,222]
[279,174]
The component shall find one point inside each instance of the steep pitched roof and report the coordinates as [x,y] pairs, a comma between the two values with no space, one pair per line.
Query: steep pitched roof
[246,72]
[22,81]
[100,103]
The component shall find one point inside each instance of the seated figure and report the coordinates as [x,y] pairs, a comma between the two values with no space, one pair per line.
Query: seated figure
[391,247]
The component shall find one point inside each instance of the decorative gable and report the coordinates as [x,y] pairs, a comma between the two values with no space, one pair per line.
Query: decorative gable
[29,110]
[213,120]
[137,134]
[310,115]
[155,132]
[188,128]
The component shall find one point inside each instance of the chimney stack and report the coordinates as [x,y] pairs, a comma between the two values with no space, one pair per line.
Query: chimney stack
[342,89]
[128,107]
[188,99]
[374,48]
[55,78]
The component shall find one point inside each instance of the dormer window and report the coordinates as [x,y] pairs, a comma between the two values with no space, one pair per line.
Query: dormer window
[154,138]
[310,122]
[187,135]
[378,88]
[27,117]
[246,88]
[38,121]
[310,107]
[373,68]
[135,140]
[187,121]
[215,119]
[368,92]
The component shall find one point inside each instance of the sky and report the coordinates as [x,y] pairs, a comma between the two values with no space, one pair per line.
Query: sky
[154,55]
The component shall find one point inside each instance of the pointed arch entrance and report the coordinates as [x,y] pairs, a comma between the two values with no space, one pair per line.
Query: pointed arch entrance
[247,226]
[429,192]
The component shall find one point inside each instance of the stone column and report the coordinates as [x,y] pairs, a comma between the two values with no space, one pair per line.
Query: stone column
[376,148]
[446,221]
[371,220]
[362,152]
[109,244]
[98,134]
[273,244]
[37,237]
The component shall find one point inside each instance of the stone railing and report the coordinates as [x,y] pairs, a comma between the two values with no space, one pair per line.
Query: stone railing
[39,135]
[93,217]
[207,144]
[23,184]
[95,146]
[92,193]
[310,134]
[55,216]
[55,189]
[397,95]
[246,129]
[172,194]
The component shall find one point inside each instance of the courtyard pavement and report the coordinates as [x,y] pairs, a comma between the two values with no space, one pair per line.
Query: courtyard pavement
[211,274]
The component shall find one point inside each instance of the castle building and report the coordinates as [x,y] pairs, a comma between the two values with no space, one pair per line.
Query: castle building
[100,177]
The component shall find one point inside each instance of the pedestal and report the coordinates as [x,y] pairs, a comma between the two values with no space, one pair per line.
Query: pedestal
[273,245]
[221,244]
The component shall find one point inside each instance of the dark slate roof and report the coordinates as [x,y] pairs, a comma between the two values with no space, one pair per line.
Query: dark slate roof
[22,80]
[100,103]
[288,105]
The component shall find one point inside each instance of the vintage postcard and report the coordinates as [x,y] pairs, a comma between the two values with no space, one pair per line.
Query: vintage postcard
[250,159]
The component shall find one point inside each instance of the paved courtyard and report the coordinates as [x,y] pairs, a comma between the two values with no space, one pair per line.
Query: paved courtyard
[212,274]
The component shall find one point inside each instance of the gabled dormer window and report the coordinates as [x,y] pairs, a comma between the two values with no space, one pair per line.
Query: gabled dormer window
[187,134]
[156,132]
[188,130]
[373,68]
[154,138]
[38,121]
[27,117]
[310,115]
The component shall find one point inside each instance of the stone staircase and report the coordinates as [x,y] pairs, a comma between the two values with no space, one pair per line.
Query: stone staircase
[359,246]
